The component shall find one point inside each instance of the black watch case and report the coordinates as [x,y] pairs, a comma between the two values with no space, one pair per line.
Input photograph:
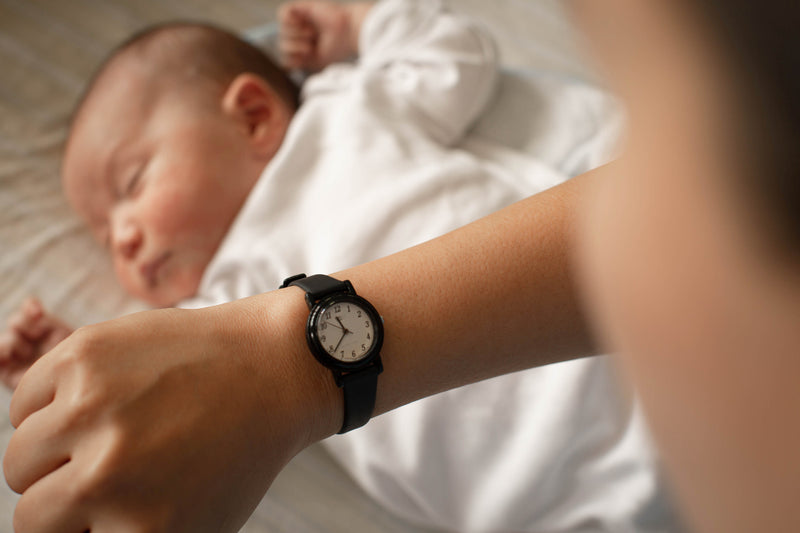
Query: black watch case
[331,321]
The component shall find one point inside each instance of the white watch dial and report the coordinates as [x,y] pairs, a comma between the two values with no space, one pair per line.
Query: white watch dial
[346,331]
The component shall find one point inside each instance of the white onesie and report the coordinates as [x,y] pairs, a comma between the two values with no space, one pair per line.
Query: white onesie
[384,154]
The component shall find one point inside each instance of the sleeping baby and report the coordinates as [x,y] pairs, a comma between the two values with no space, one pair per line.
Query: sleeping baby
[195,161]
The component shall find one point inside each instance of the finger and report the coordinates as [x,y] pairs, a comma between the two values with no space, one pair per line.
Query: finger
[36,390]
[14,347]
[293,13]
[294,47]
[29,320]
[53,505]
[11,372]
[283,12]
[294,31]
[16,319]
[33,307]
[6,344]
[36,449]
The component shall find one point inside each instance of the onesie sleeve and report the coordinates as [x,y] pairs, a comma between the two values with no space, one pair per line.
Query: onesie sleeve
[428,65]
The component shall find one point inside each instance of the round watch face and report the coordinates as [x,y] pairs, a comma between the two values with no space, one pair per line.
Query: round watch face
[346,328]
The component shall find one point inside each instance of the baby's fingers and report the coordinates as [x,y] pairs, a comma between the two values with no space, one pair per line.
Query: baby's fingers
[296,54]
[296,38]
[294,32]
[28,320]
[294,14]
[6,341]
[13,347]
[16,356]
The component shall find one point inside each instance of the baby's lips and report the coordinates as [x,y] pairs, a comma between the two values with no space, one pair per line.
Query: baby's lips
[149,270]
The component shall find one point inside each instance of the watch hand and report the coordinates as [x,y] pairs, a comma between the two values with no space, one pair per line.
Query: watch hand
[340,341]
[346,331]
[332,324]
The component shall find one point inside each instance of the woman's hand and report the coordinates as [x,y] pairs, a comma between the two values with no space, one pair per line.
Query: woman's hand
[316,33]
[30,333]
[168,420]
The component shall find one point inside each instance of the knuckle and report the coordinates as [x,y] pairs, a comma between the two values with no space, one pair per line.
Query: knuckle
[85,406]
[86,337]
[102,476]
[79,349]
[79,411]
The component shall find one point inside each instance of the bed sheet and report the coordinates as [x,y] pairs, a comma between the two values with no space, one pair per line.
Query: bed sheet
[48,48]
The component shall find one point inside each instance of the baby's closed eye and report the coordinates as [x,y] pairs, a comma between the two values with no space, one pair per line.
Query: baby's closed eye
[131,183]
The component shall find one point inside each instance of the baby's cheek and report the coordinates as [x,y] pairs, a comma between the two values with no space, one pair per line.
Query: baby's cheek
[189,219]
[171,213]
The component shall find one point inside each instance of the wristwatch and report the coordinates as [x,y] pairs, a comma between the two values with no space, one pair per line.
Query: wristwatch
[345,333]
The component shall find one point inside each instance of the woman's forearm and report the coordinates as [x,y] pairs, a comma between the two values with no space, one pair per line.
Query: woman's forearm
[493,297]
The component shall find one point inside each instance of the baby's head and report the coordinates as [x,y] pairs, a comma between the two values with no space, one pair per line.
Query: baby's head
[164,147]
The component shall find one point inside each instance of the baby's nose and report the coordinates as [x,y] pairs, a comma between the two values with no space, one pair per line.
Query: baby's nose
[127,239]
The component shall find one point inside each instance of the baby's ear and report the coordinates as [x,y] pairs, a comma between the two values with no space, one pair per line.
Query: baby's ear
[258,109]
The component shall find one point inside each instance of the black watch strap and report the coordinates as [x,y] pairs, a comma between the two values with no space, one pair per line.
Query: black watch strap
[359,387]
[317,286]
[359,390]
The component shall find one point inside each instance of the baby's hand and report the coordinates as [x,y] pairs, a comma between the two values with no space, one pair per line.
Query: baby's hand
[31,332]
[316,33]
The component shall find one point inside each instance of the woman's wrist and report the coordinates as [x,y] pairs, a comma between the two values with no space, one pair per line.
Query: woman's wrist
[274,325]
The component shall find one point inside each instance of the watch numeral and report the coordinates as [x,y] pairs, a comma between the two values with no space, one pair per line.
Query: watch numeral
[358,314]
[363,348]
[338,309]
[366,323]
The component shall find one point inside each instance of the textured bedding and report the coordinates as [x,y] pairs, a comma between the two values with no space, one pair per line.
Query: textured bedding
[48,48]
